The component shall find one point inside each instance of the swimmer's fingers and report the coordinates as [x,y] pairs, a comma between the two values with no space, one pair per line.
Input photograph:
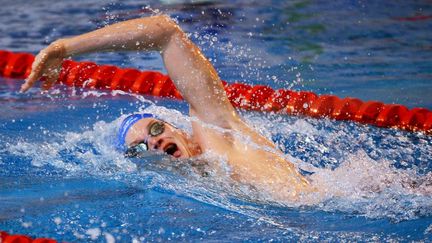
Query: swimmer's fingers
[51,77]
[36,72]
[47,63]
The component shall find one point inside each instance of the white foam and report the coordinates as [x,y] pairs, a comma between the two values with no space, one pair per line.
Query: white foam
[355,182]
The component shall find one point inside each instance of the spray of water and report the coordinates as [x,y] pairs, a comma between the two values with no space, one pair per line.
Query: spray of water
[348,178]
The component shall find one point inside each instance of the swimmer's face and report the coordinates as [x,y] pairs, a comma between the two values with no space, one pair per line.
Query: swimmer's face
[172,141]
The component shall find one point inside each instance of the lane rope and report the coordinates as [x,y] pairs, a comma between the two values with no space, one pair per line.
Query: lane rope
[8,238]
[249,97]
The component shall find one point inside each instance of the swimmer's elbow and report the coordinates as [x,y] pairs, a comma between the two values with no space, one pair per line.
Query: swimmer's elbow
[167,20]
[168,25]
[164,26]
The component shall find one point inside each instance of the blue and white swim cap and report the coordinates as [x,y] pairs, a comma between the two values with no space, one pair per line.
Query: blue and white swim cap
[126,125]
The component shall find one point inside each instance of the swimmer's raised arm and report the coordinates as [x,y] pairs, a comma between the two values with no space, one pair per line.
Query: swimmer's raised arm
[192,73]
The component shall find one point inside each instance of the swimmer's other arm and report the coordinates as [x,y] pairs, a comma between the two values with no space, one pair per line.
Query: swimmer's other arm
[192,73]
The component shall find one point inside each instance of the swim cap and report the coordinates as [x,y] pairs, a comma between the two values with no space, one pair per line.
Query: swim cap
[126,125]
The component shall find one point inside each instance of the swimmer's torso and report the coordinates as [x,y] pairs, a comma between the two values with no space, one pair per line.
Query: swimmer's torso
[253,160]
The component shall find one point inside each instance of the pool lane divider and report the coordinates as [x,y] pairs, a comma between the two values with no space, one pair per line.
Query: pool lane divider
[7,238]
[245,96]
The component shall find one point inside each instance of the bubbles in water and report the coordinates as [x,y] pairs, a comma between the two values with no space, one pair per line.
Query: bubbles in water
[94,233]
[353,169]
[374,189]
[343,161]
[77,152]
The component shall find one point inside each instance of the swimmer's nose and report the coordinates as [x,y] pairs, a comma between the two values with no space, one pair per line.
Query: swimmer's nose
[154,143]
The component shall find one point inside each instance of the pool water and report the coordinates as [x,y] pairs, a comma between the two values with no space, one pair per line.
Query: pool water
[61,178]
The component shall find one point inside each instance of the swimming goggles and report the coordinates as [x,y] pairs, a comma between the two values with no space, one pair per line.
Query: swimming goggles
[155,129]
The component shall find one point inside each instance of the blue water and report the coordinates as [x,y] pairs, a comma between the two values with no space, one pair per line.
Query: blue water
[61,178]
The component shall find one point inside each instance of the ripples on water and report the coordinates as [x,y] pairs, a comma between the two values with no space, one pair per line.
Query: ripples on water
[57,149]
[364,171]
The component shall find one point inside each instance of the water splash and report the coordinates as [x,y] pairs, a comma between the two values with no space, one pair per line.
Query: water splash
[350,181]
[352,167]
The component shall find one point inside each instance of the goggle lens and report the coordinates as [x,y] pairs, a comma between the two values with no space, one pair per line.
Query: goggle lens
[155,129]
[134,151]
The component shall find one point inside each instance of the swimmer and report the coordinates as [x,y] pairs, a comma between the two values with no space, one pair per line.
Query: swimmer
[215,122]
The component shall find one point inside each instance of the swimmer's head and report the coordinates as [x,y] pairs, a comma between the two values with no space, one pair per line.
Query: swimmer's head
[141,132]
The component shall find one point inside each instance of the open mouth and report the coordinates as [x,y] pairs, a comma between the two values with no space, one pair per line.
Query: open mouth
[172,150]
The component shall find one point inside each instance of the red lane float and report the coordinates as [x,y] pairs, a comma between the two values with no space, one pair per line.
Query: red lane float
[250,97]
[7,238]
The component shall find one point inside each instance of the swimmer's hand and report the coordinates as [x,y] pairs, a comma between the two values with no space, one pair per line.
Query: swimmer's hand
[47,64]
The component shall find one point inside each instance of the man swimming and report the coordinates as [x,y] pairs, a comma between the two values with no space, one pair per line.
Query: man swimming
[252,158]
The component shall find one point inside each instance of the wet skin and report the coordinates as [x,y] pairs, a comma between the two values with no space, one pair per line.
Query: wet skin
[172,141]
[252,158]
